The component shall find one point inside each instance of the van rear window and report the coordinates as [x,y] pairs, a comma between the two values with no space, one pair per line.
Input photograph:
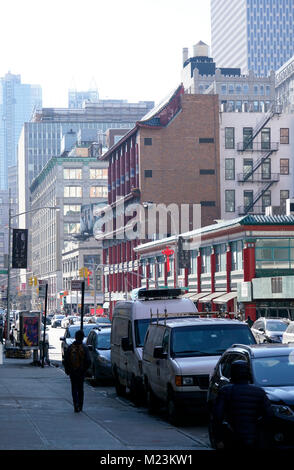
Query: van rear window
[208,340]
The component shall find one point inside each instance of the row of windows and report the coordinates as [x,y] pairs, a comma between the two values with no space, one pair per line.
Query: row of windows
[76,173]
[238,89]
[230,173]
[256,106]
[230,198]
[265,136]
[77,191]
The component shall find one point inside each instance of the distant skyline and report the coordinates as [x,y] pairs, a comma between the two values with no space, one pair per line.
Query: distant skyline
[129,50]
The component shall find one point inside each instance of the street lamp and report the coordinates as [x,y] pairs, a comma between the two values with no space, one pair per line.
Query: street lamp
[10,217]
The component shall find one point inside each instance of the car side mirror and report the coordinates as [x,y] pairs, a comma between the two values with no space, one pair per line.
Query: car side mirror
[261,329]
[125,344]
[62,338]
[158,353]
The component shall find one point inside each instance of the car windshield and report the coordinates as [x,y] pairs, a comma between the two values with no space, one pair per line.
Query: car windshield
[208,340]
[103,340]
[86,328]
[276,326]
[102,320]
[141,327]
[274,371]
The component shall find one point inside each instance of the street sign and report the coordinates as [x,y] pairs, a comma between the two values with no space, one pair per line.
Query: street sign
[3,271]
[76,284]
[42,288]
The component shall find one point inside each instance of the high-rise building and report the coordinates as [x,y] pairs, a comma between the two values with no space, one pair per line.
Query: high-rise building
[76,98]
[252,34]
[17,102]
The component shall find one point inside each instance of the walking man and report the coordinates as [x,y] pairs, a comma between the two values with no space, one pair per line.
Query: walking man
[242,412]
[76,363]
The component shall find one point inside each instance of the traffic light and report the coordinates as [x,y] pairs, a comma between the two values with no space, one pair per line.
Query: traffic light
[33,281]
[83,272]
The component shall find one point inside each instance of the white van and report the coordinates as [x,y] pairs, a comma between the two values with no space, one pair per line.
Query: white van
[130,322]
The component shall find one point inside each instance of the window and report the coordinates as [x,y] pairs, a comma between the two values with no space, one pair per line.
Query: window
[205,259]
[72,173]
[71,209]
[220,257]
[284,166]
[147,141]
[229,137]
[284,136]
[207,172]
[73,227]
[274,253]
[248,200]
[98,191]
[266,169]
[266,138]
[247,169]
[230,200]
[237,255]
[98,174]
[229,168]
[207,203]
[148,173]
[284,195]
[206,140]
[266,200]
[247,138]
[72,191]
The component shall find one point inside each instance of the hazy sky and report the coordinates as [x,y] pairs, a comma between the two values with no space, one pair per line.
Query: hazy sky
[129,49]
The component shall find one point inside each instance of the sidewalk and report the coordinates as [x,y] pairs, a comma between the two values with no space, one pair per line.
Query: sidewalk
[36,413]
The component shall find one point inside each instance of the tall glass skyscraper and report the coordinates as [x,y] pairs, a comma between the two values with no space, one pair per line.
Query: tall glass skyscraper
[17,101]
[252,34]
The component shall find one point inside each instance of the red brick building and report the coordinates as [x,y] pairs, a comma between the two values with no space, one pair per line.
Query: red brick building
[170,157]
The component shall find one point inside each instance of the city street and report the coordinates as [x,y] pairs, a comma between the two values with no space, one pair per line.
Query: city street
[36,413]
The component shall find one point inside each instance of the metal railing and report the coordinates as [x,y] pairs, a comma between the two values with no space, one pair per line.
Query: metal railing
[252,177]
[257,146]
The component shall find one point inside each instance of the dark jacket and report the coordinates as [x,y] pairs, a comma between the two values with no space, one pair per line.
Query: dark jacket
[246,409]
[84,366]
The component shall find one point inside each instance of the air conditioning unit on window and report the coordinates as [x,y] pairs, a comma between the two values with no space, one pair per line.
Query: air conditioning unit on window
[290,206]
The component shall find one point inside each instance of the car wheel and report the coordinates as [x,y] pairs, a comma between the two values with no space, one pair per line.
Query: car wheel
[211,432]
[120,389]
[151,399]
[172,410]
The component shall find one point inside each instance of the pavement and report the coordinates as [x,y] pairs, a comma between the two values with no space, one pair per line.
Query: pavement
[36,413]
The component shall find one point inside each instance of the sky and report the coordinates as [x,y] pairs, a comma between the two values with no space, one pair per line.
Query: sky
[127,49]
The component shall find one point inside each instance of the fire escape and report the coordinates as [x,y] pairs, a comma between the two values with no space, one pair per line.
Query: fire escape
[252,175]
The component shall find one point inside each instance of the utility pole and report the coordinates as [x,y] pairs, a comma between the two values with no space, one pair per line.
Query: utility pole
[8,269]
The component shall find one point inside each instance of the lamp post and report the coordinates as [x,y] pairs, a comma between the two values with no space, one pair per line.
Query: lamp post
[10,217]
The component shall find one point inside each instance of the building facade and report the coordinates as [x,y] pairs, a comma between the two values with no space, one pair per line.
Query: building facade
[242,265]
[17,102]
[76,99]
[256,162]
[68,182]
[237,92]
[170,159]
[252,34]
[285,86]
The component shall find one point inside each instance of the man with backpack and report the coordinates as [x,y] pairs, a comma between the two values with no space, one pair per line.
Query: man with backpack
[76,363]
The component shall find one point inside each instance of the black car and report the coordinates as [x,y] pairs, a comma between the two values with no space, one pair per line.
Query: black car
[99,346]
[269,330]
[69,335]
[272,368]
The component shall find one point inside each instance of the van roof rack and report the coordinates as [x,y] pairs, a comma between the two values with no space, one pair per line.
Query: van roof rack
[154,294]
[168,316]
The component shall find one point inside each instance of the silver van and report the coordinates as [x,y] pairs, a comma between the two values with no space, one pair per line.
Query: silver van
[130,322]
[179,356]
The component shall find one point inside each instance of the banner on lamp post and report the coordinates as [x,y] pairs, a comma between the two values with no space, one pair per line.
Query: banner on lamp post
[19,248]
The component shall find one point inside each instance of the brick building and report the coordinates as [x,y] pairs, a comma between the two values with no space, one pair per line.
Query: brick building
[170,158]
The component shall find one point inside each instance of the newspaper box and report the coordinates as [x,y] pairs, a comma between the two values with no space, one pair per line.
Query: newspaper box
[28,325]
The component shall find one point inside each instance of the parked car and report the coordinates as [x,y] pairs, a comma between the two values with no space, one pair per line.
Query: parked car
[272,368]
[69,335]
[269,330]
[180,354]
[288,335]
[130,322]
[56,321]
[69,320]
[98,342]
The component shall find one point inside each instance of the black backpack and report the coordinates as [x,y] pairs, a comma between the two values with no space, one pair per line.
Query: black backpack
[76,357]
